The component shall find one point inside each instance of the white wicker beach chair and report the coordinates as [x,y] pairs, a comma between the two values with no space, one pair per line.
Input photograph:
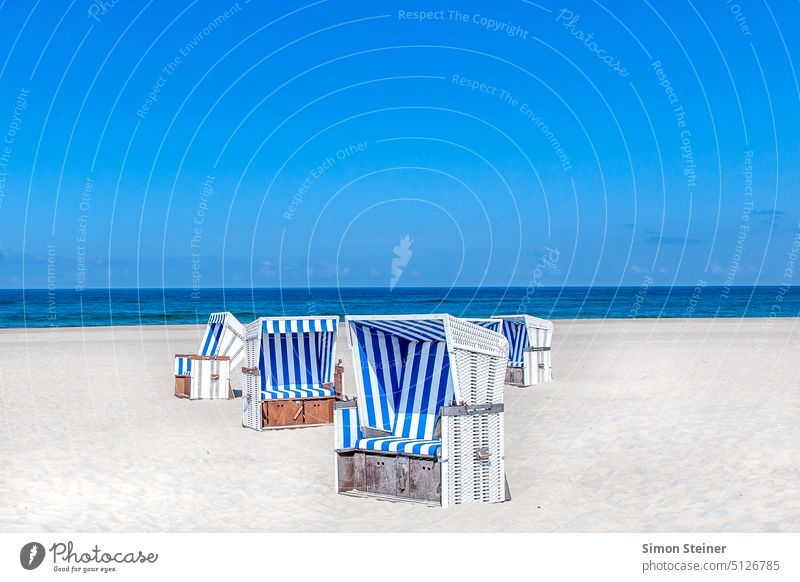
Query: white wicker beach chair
[289,373]
[427,421]
[529,339]
[207,373]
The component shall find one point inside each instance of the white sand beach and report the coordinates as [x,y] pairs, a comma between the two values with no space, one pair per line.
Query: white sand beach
[649,425]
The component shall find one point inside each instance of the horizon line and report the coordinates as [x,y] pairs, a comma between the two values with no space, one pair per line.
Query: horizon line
[382,287]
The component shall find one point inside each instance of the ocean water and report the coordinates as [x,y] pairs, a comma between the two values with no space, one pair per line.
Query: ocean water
[92,307]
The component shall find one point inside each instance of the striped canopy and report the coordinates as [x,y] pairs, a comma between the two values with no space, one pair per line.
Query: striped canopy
[491,324]
[280,325]
[516,333]
[296,357]
[403,377]
[518,330]
[224,336]
[183,365]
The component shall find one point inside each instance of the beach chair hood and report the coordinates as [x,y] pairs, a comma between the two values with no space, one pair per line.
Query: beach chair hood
[428,387]
[224,336]
[288,358]
[406,370]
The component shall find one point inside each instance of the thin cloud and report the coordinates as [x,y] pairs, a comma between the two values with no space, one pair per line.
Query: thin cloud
[773,212]
[655,239]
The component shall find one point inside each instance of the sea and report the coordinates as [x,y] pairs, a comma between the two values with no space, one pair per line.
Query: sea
[97,307]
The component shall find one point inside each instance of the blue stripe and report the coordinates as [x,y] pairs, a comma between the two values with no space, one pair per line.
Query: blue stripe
[209,333]
[325,359]
[364,358]
[294,340]
[218,335]
[346,428]
[382,388]
[393,378]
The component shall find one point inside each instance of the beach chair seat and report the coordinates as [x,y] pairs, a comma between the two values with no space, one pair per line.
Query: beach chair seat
[420,447]
[276,394]
[289,377]
[206,374]
[427,421]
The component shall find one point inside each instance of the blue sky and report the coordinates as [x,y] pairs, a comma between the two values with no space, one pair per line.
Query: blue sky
[296,143]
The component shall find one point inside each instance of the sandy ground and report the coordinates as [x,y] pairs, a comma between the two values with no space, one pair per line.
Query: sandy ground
[667,425]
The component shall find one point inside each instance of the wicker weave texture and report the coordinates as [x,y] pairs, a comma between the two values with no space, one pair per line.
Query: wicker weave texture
[473,451]
[251,383]
[471,337]
[480,377]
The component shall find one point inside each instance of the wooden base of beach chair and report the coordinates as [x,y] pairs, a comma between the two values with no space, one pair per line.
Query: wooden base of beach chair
[390,476]
[514,376]
[202,377]
[318,411]
[294,412]
[183,386]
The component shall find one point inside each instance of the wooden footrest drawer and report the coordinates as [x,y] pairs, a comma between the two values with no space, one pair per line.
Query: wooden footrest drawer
[296,412]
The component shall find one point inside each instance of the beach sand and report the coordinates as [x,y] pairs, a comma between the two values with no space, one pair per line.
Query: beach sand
[649,425]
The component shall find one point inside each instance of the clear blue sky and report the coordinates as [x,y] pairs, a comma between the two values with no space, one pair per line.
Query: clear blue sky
[131,128]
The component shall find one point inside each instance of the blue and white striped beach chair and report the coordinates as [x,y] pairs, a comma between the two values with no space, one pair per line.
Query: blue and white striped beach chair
[206,374]
[289,373]
[427,421]
[529,338]
[224,336]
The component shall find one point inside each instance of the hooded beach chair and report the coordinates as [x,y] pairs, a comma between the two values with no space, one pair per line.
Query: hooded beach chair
[427,421]
[289,373]
[529,338]
[206,374]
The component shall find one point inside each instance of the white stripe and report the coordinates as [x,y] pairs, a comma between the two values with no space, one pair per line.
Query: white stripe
[303,380]
[279,377]
[373,381]
[312,355]
[419,405]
